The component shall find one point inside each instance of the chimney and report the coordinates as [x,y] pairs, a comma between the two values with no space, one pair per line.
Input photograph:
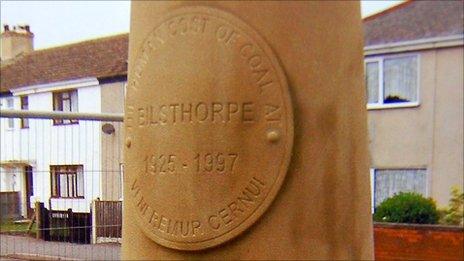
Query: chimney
[15,42]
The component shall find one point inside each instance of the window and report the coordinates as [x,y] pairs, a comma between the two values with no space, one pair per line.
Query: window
[392,81]
[388,182]
[10,106]
[24,106]
[67,181]
[65,101]
[9,176]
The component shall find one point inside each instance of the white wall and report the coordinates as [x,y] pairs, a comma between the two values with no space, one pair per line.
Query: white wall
[44,144]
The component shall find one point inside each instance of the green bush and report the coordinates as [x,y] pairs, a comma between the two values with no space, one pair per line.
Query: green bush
[407,207]
[453,214]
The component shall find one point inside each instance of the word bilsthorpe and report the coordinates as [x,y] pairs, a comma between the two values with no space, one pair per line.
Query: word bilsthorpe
[200,112]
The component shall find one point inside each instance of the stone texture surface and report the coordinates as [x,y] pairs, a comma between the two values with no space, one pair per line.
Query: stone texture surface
[322,210]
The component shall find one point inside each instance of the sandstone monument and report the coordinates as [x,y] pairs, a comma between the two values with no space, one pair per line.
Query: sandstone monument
[246,132]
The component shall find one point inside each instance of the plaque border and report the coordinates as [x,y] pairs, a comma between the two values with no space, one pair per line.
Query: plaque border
[268,198]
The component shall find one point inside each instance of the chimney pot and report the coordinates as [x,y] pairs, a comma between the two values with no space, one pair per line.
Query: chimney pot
[18,42]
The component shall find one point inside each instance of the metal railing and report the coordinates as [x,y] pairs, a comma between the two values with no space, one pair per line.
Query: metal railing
[117,117]
[61,177]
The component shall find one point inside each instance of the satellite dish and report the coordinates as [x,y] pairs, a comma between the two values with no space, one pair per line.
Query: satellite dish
[108,128]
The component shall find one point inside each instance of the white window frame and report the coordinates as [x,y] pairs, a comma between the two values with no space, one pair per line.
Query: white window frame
[121,177]
[372,171]
[372,175]
[380,104]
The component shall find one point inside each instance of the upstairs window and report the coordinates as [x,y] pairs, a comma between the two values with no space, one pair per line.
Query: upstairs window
[67,181]
[65,101]
[392,81]
[24,106]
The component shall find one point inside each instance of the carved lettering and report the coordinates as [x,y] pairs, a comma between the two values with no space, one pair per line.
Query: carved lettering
[233,211]
[201,112]
[272,112]
[222,160]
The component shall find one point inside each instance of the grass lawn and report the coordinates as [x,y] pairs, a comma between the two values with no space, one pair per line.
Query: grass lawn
[16,228]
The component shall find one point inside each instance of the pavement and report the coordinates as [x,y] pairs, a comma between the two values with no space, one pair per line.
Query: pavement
[15,247]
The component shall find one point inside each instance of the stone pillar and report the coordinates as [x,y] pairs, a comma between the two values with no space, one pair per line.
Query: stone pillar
[246,132]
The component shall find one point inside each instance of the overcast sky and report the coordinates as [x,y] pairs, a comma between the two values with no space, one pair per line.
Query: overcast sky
[56,23]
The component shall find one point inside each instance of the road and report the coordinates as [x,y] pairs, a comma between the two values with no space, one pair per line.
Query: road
[21,245]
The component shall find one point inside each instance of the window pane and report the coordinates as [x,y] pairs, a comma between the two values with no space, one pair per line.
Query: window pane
[390,182]
[9,103]
[80,182]
[57,105]
[400,79]
[24,106]
[67,105]
[74,101]
[24,123]
[54,186]
[63,185]
[372,82]
[24,102]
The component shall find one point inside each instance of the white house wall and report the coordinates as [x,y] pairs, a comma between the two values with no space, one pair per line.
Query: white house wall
[44,144]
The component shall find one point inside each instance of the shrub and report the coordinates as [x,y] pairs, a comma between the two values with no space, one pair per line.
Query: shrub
[407,207]
[453,214]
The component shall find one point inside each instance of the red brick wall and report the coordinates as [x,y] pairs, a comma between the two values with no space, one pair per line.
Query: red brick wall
[410,241]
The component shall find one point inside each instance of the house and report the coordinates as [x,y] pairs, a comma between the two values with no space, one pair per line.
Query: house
[63,163]
[414,79]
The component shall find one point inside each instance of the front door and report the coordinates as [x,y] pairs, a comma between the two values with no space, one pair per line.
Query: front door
[29,190]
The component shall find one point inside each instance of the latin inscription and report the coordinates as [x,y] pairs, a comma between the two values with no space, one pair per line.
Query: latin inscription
[223,217]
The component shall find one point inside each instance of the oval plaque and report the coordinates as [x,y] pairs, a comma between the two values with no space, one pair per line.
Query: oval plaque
[209,129]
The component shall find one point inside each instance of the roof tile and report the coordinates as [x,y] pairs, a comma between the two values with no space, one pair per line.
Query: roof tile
[415,20]
[100,58]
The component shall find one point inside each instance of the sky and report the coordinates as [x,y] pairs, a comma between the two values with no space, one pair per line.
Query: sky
[56,23]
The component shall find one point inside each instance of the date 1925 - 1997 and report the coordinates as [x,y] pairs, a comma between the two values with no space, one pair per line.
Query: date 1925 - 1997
[200,162]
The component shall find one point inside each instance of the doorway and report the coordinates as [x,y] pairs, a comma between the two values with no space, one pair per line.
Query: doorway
[29,190]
